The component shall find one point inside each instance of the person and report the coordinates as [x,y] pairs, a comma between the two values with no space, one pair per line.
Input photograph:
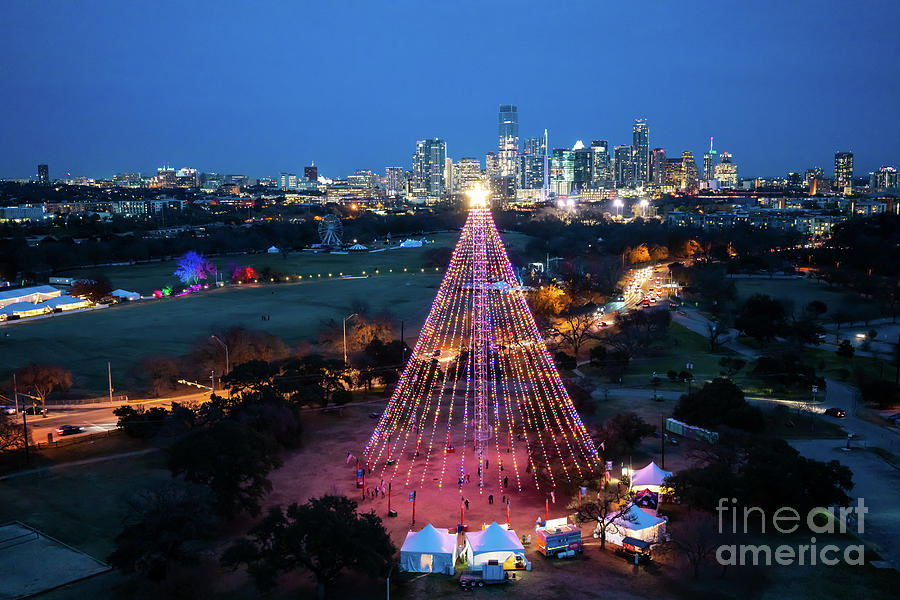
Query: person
[490,498]
[501,466]
[486,463]
[504,499]
[467,503]
[506,481]
[553,496]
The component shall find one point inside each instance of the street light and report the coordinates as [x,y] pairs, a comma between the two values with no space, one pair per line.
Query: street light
[618,204]
[644,204]
[347,318]
[226,353]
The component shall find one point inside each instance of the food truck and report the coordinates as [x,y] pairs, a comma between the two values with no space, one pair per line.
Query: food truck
[559,538]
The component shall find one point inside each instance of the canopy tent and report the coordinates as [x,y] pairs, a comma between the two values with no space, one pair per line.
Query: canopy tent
[23,309]
[650,477]
[429,551]
[64,302]
[493,543]
[357,248]
[635,523]
[126,295]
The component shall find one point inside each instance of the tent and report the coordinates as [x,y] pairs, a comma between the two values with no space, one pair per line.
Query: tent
[273,250]
[357,248]
[494,542]
[650,477]
[64,302]
[638,524]
[126,295]
[429,551]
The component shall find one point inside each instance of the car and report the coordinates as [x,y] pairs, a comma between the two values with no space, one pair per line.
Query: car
[68,429]
[34,410]
[7,410]
[835,412]
[602,323]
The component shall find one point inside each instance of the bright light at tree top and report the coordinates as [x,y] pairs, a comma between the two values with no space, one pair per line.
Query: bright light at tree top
[478,197]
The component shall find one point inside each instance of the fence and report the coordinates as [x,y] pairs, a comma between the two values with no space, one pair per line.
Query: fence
[691,432]
[116,399]
[74,440]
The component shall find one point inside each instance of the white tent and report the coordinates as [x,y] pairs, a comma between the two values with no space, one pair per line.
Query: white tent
[126,295]
[492,543]
[273,250]
[357,248]
[636,523]
[650,478]
[429,551]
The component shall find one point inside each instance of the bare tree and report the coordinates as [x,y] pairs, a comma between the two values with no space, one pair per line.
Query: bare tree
[575,327]
[605,511]
[42,379]
[12,436]
[696,538]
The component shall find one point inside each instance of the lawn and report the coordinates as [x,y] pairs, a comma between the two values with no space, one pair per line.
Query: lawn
[800,292]
[126,333]
[144,278]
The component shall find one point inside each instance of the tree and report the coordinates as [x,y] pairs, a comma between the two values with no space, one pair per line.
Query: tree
[43,379]
[639,254]
[697,538]
[576,326]
[140,423]
[231,459]
[845,349]
[719,402]
[12,435]
[604,511]
[621,433]
[326,535]
[716,331]
[158,525]
[159,373]
[761,317]
[193,268]
[94,289]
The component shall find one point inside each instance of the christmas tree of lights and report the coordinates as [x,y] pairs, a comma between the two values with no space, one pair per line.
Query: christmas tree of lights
[480,384]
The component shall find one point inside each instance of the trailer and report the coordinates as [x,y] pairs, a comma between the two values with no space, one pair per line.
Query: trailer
[559,539]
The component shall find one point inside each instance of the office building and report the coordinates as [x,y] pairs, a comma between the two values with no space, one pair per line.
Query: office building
[641,152]
[491,166]
[311,173]
[843,172]
[582,166]
[428,169]
[448,175]
[531,163]
[709,162]
[884,179]
[600,171]
[288,181]
[658,167]
[726,172]
[468,174]
[690,175]
[562,165]
[393,181]
[508,147]
[623,166]
[674,173]
[43,177]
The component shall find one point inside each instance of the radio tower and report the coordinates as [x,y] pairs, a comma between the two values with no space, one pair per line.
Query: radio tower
[480,381]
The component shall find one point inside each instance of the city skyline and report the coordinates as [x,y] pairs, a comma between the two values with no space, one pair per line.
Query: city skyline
[766,91]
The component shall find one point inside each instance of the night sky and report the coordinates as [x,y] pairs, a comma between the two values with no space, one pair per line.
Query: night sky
[93,88]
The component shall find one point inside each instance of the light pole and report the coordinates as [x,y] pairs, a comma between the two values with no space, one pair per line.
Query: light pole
[347,318]
[618,204]
[227,369]
[644,204]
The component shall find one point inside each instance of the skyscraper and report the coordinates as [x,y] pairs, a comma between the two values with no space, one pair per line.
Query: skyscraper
[624,167]
[709,162]
[508,147]
[531,164]
[600,174]
[843,171]
[468,174]
[691,175]
[43,175]
[641,156]
[726,172]
[311,173]
[582,163]
[428,168]
[393,181]
[658,167]
[491,166]
[448,175]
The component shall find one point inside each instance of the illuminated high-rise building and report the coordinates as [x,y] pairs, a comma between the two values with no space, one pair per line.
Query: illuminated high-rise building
[623,166]
[311,173]
[468,174]
[843,171]
[43,177]
[582,164]
[428,168]
[691,175]
[393,181]
[531,163]
[709,162]
[641,152]
[726,172]
[658,167]
[600,171]
[448,175]
[884,179]
[508,147]
[491,166]
[674,172]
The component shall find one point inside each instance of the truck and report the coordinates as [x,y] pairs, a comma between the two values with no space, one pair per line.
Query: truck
[559,539]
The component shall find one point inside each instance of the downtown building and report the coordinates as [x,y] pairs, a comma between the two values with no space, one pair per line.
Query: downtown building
[641,153]
[428,165]
[843,172]
[508,140]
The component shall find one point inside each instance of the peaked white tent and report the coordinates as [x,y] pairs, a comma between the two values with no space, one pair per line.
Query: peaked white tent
[650,477]
[125,295]
[429,551]
[636,523]
[492,543]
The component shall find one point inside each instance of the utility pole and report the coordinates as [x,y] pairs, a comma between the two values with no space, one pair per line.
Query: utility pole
[109,373]
[662,441]
[24,419]
[347,318]
[402,346]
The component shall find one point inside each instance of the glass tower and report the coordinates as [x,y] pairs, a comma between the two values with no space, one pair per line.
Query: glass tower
[641,156]
[508,147]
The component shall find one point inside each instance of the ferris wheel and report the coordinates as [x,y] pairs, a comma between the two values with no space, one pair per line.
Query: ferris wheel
[331,231]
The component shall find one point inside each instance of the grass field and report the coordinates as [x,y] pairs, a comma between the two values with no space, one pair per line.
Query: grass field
[126,333]
[144,278]
[800,292]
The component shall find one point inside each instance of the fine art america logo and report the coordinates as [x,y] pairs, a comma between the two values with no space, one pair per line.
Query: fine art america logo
[787,520]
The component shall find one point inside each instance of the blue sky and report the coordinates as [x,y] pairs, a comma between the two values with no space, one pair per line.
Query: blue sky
[259,87]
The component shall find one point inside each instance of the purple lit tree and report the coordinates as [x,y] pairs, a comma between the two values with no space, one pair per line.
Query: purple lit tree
[193,267]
